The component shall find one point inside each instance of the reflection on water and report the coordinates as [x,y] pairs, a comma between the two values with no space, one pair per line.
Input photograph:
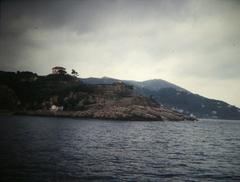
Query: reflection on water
[61,149]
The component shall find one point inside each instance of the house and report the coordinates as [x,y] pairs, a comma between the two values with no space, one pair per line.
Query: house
[58,70]
[56,108]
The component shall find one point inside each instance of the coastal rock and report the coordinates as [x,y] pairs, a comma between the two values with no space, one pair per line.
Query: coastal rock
[115,112]
[66,96]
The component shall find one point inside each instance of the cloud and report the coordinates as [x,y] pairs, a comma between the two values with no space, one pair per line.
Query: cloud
[185,41]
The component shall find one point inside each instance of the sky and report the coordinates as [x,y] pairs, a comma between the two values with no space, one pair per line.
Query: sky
[194,44]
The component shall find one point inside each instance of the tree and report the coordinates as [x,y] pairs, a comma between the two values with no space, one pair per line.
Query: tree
[74,73]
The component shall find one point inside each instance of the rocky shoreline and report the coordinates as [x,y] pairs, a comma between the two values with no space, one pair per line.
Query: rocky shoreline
[131,113]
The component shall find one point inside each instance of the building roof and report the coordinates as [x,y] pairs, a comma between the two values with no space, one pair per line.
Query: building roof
[59,67]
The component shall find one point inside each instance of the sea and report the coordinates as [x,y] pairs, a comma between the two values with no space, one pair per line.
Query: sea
[49,149]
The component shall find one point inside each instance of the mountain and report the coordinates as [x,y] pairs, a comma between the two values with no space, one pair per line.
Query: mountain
[153,85]
[66,95]
[103,80]
[178,98]
[200,106]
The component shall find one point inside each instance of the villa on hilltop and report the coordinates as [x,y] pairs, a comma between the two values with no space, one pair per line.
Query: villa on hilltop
[58,70]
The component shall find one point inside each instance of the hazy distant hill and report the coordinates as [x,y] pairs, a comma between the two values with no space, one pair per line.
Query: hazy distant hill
[153,85]
[173,96]
[196,104]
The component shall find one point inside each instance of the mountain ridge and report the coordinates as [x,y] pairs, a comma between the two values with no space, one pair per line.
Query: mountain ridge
[149,83]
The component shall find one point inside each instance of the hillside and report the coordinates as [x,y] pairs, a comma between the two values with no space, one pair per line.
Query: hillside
[65,95]
[153,85]
[173,96]
[201,107]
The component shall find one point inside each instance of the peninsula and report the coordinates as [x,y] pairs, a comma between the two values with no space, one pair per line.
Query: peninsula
[64,95]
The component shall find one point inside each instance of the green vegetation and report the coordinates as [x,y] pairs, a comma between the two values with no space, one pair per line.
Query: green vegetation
[35,92]
[74,73]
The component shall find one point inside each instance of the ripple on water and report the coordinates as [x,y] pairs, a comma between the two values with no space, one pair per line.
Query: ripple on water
[61,149]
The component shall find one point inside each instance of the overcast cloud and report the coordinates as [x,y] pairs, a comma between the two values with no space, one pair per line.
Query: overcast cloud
[195,44]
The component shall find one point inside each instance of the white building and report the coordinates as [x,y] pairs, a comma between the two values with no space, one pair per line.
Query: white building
[56,108]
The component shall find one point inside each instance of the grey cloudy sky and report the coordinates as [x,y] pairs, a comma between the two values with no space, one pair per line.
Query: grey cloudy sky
[194,44]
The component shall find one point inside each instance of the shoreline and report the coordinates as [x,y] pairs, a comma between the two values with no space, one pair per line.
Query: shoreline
[74,114]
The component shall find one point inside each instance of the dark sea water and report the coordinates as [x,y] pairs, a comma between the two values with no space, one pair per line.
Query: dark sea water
[65,150]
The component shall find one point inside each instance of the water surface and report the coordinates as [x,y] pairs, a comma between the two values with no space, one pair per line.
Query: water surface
[62,149]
